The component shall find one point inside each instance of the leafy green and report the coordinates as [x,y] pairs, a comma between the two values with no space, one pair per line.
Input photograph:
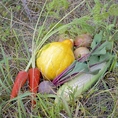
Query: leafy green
[93,59]
[79,67]
[105,56]
[102,49]
[97,39]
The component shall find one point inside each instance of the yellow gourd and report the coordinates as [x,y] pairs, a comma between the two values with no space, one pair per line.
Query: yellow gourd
[54,58]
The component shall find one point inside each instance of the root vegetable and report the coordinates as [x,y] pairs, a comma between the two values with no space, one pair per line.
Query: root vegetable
[83,40]
[20,80]
[34,78]
[80,52]
[46,87]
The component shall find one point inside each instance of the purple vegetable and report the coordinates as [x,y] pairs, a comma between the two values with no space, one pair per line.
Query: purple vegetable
[46,87]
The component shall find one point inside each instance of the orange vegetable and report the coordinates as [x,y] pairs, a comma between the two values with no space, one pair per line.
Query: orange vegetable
[34,78]
[19,82]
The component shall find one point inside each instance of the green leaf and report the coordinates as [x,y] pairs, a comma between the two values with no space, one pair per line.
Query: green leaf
[93,59]
[103,48]
[106,56]
[82,23]
[57,5]
[114,62]
[100,51]
[97,39]
[79,67]
[96,11]
[81,20]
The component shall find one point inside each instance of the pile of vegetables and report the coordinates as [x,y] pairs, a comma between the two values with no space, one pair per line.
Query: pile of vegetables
[68,67]
[93,57]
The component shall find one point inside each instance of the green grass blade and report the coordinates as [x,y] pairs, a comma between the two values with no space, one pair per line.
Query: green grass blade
[50,34]
[34,33]
[65,104]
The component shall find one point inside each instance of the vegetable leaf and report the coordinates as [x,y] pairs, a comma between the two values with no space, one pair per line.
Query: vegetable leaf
[105,57]
[78,68]
[97,39]
[100,51]
[93,59]
[103,48]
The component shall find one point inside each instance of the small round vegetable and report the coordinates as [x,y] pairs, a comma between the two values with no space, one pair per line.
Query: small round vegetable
[80,52]
[46,87]
[83,40]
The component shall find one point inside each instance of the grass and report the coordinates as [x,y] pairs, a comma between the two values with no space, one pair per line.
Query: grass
[17,30]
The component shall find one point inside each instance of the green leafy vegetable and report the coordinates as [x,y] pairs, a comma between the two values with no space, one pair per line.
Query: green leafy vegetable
[97,39]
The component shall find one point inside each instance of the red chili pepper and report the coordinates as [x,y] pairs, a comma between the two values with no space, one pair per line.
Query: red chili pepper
[19,82]
[34,78]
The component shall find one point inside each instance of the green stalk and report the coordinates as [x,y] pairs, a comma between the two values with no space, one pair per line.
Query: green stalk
[34,34]
[32,60]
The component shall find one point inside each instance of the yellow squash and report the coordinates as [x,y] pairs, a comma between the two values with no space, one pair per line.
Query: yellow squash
[54,58]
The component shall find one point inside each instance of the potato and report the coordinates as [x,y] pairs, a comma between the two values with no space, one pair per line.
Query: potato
[83,40]
[80,52]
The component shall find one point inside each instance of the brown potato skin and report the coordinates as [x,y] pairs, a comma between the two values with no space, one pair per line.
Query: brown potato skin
[83,40]
[80,52]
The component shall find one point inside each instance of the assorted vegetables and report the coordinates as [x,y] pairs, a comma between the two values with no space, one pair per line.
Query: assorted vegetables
[67,71]
[81,82]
